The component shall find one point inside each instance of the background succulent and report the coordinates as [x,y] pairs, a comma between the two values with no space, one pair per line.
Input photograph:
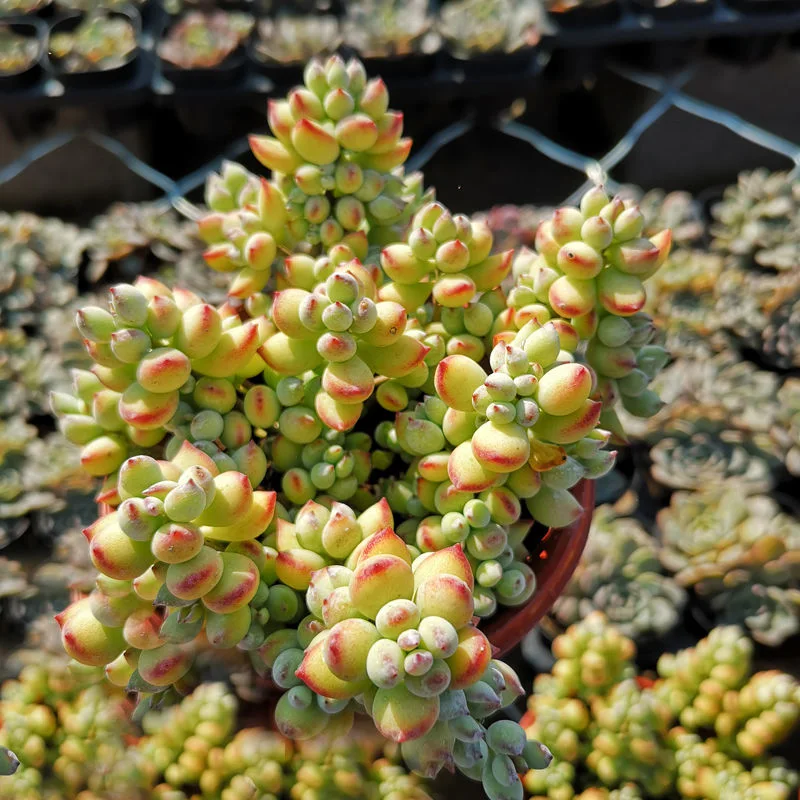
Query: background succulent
[739,554]
[638,737]
[620,574]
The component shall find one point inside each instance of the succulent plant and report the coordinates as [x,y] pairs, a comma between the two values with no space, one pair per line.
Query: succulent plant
[621,575]
[100,42]
[9,8]
[786,428]
[678,211]
[475,26]
[17,52]
[295,39]
[739,553]
[589,269]
[698,459]
[202,40]
[387,28]
[129,233]
[39,260]
[69,735]
[758,219]
[358,310]
[721,387]
[702,729]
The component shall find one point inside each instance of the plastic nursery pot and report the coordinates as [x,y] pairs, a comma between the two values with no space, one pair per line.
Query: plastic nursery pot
[28,75]
[554,563]
[88,79]
[409,65]
[585,14]
[227,73]
[493,62]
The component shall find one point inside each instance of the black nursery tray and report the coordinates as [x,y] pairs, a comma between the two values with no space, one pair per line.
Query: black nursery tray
[645,21]
[32,74]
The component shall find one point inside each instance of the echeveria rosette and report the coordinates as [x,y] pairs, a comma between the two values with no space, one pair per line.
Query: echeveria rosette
[738,553]
[178,557]
[620,574]
[698,459]
[786,430]
[719,388]
[756,220]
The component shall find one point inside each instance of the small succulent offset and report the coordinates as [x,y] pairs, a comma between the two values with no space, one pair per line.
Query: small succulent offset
[17,52]
[739,554]
[100,42]
[386,28]
[621,575]
[638,738]
[292,40]
[204,40]
[359,312]
[475,27]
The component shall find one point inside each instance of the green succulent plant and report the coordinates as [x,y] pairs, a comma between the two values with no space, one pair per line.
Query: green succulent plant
[290,39]
[704,728]
[133,237]
[758,220]
[39,260]
[386,28]
[359,311]
[786,428]
[476,26]
[740,554]
[620,574]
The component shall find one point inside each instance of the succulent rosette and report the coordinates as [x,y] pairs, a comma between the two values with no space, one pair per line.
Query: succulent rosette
[336,469]
[620,574]
[738,553]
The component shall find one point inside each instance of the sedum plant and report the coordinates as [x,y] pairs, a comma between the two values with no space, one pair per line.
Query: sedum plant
[245,506]
[739,554]
[621,575]
[703,728]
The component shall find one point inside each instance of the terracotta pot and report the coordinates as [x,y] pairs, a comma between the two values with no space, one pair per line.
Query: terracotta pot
[554,564]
